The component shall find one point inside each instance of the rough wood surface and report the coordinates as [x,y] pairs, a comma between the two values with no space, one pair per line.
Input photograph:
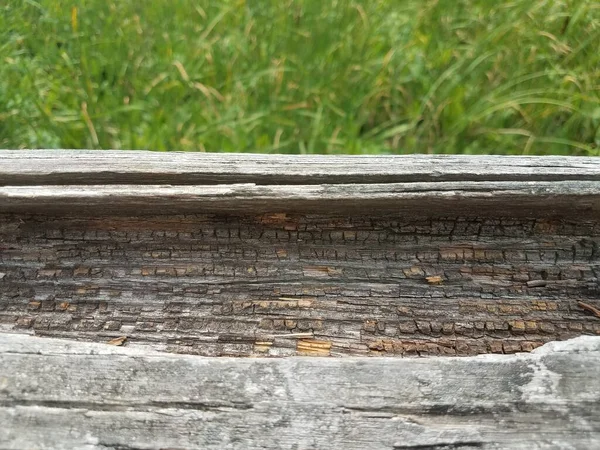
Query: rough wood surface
[64,395]
[121,181]
[517,199]
[29,167]
[223,254]
[283,284]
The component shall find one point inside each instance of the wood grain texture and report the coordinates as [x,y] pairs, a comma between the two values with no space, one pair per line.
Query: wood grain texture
[31,167]
[517,199]
[117,182]
[65,395]
[286,255]
[284,284]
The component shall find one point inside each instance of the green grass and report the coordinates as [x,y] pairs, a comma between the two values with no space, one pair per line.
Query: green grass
[312,76]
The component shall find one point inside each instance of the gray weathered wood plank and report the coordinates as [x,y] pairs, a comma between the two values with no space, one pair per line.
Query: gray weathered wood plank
[60,394]
[517,198]
[29,167]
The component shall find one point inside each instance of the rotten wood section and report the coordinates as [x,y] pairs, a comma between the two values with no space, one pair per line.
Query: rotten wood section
[62,394]
[398,256]
[285,285]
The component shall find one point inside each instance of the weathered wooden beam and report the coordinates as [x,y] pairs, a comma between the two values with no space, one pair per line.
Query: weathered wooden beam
[119,182]
[512,198]
[411,255]
[61,394]
[30,167]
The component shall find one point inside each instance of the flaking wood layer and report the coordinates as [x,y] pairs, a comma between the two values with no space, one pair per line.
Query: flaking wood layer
[284,284]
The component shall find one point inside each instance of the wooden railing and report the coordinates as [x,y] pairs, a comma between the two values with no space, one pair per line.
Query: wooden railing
[250,255]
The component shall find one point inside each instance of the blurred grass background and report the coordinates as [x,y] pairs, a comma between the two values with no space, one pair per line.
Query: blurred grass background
[302,76]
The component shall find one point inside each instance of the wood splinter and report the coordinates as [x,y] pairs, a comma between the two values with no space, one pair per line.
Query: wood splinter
[595,311]
[118,341]
[435,279]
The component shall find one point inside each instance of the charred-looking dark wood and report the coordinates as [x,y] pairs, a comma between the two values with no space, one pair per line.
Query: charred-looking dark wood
[56,394]
[285,285]
[370,263]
